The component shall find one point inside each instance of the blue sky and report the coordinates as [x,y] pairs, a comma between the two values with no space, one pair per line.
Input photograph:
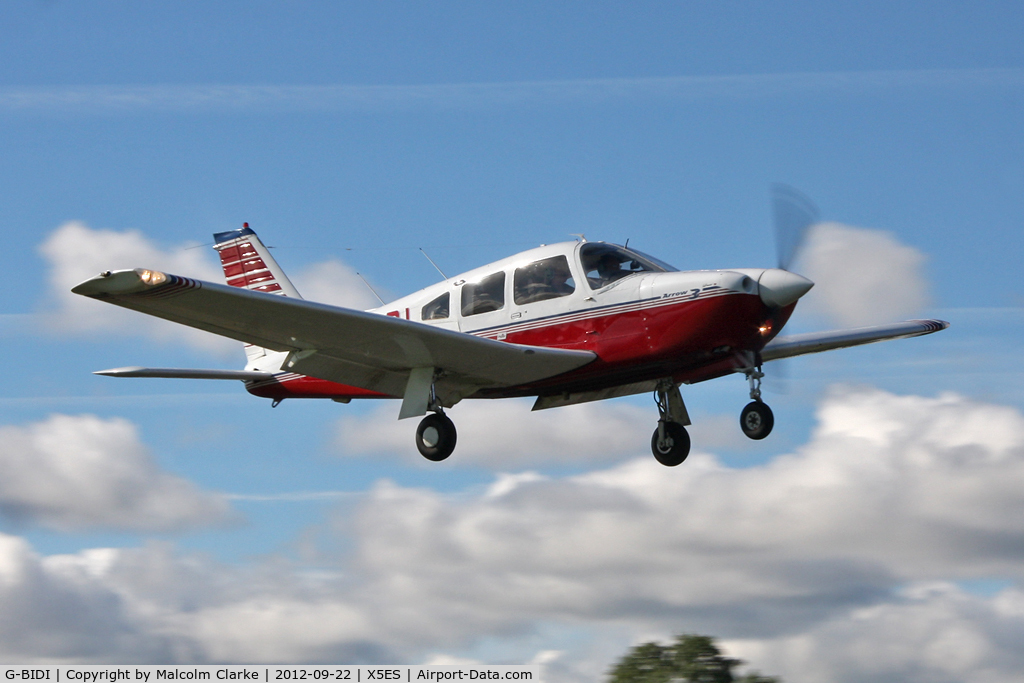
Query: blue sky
[350,135]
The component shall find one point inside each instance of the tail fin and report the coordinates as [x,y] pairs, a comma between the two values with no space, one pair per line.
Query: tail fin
[248,264]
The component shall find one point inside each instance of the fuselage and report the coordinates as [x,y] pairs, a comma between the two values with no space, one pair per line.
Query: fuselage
[643,319]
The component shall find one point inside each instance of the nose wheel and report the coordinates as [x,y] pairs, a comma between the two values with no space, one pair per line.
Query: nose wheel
[757,419]
[435,437]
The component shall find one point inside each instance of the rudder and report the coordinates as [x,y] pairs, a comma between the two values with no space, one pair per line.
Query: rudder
[247,263]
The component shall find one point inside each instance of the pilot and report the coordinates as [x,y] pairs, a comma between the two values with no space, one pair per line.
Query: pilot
[609,269]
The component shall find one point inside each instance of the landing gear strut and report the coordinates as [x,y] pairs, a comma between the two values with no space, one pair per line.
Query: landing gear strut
[436,435]
[670,442]
[757,419]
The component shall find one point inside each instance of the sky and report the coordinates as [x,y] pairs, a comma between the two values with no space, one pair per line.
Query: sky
[876,535]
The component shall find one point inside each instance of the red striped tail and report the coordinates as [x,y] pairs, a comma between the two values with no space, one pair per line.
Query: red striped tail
[247,263]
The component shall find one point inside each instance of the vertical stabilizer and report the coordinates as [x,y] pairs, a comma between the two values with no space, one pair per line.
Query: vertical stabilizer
[248,264]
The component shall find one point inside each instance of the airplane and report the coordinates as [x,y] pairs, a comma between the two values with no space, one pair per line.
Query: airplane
[564,323]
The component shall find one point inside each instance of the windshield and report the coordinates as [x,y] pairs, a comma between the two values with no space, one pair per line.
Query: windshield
[603,263]
[656,261]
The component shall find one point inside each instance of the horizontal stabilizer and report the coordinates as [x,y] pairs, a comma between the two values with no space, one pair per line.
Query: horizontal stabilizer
[816,342]
[184,373]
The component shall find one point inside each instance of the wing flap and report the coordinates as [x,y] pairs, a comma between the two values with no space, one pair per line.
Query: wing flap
[816,342]
[358,344]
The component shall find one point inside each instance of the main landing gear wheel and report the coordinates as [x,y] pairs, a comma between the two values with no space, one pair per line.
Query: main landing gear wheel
[757,420]
[435,437]
[672,447]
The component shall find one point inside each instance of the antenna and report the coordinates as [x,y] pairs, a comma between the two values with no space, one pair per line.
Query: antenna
[434,264]
[382,302]
[580,237]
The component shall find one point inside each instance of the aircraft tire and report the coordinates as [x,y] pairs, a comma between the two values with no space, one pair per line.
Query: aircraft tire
[757,420]
[676,449]
[435,437]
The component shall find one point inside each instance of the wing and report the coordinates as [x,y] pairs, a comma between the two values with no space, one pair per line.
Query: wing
[366,350]
[816,342]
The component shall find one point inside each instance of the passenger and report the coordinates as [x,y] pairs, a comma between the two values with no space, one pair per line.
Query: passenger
[558,280]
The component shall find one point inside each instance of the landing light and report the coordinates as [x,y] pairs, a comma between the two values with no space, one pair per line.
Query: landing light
[765,329]
[151,277]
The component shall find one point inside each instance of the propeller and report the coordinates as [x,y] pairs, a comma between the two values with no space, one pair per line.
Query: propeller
[793,214]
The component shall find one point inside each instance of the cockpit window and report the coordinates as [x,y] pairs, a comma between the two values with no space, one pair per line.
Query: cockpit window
[603,263]
[438,309]
[548,278]
[482,296]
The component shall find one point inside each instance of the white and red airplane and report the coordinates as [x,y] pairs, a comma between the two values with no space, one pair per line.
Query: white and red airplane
[565,323]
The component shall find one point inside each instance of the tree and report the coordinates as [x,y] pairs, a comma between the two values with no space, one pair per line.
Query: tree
[690,659]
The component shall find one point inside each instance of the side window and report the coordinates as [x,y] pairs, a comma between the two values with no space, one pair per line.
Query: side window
[548,278]
[484,295]
[438,309]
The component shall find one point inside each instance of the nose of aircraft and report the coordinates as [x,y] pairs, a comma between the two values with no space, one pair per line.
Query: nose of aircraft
[778,288]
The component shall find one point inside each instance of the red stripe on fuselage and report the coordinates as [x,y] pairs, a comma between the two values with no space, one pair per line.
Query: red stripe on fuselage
[691,341]
[653,328]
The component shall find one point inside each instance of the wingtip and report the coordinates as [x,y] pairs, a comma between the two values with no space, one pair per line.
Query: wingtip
[933,325]
[118,372]
[113,282]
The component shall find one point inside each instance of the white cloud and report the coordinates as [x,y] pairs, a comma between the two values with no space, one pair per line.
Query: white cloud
[881,473]
[890,489]
[76,252]
[862,276]
[930,633]
[110,99]
[84,472]
[333,282]
[47,617]
[151,604]
[831,563]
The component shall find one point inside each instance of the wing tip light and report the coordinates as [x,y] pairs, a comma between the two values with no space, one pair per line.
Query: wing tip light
[120,282]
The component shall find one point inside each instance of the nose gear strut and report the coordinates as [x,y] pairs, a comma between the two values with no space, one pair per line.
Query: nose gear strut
[754,376]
